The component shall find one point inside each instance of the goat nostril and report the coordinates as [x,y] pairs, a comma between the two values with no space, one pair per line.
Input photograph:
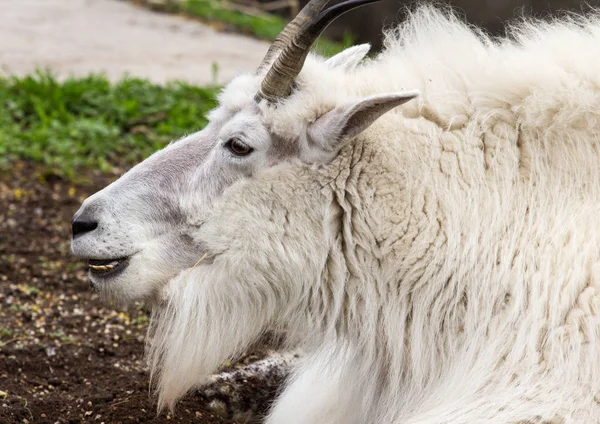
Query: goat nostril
[82,227]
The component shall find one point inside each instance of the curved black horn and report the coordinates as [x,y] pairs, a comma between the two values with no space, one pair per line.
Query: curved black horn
[307,14]
[280,78]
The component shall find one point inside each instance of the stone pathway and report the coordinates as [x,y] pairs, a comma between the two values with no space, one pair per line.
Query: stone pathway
[76,37]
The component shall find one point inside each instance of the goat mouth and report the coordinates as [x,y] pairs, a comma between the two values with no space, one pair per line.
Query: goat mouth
[107,267]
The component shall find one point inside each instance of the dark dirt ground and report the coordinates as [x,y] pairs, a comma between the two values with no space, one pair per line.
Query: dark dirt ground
[64,356]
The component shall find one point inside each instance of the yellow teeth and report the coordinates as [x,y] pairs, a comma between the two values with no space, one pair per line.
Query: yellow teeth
[103,267]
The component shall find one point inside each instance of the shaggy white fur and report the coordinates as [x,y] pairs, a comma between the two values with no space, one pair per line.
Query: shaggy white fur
[444,267]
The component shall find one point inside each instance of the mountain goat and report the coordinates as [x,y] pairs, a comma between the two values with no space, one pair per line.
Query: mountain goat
[437,262]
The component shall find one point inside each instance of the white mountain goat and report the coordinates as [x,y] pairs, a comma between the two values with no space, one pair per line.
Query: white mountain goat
[437,262]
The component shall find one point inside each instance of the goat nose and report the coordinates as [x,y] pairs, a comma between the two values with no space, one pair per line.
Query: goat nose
[82,227]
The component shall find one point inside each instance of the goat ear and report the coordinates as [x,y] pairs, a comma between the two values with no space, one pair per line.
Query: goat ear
[348,59]
[345,122]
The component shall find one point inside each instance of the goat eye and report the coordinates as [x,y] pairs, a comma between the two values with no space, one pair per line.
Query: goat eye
[238,148]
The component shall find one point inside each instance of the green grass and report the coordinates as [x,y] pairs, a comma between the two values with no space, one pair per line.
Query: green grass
[264,26]
[92,123]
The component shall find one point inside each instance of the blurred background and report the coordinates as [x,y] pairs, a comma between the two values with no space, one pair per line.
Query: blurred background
[365,25]
[88,88]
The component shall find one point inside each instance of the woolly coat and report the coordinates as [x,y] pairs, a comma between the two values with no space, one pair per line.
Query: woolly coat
[445,266]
